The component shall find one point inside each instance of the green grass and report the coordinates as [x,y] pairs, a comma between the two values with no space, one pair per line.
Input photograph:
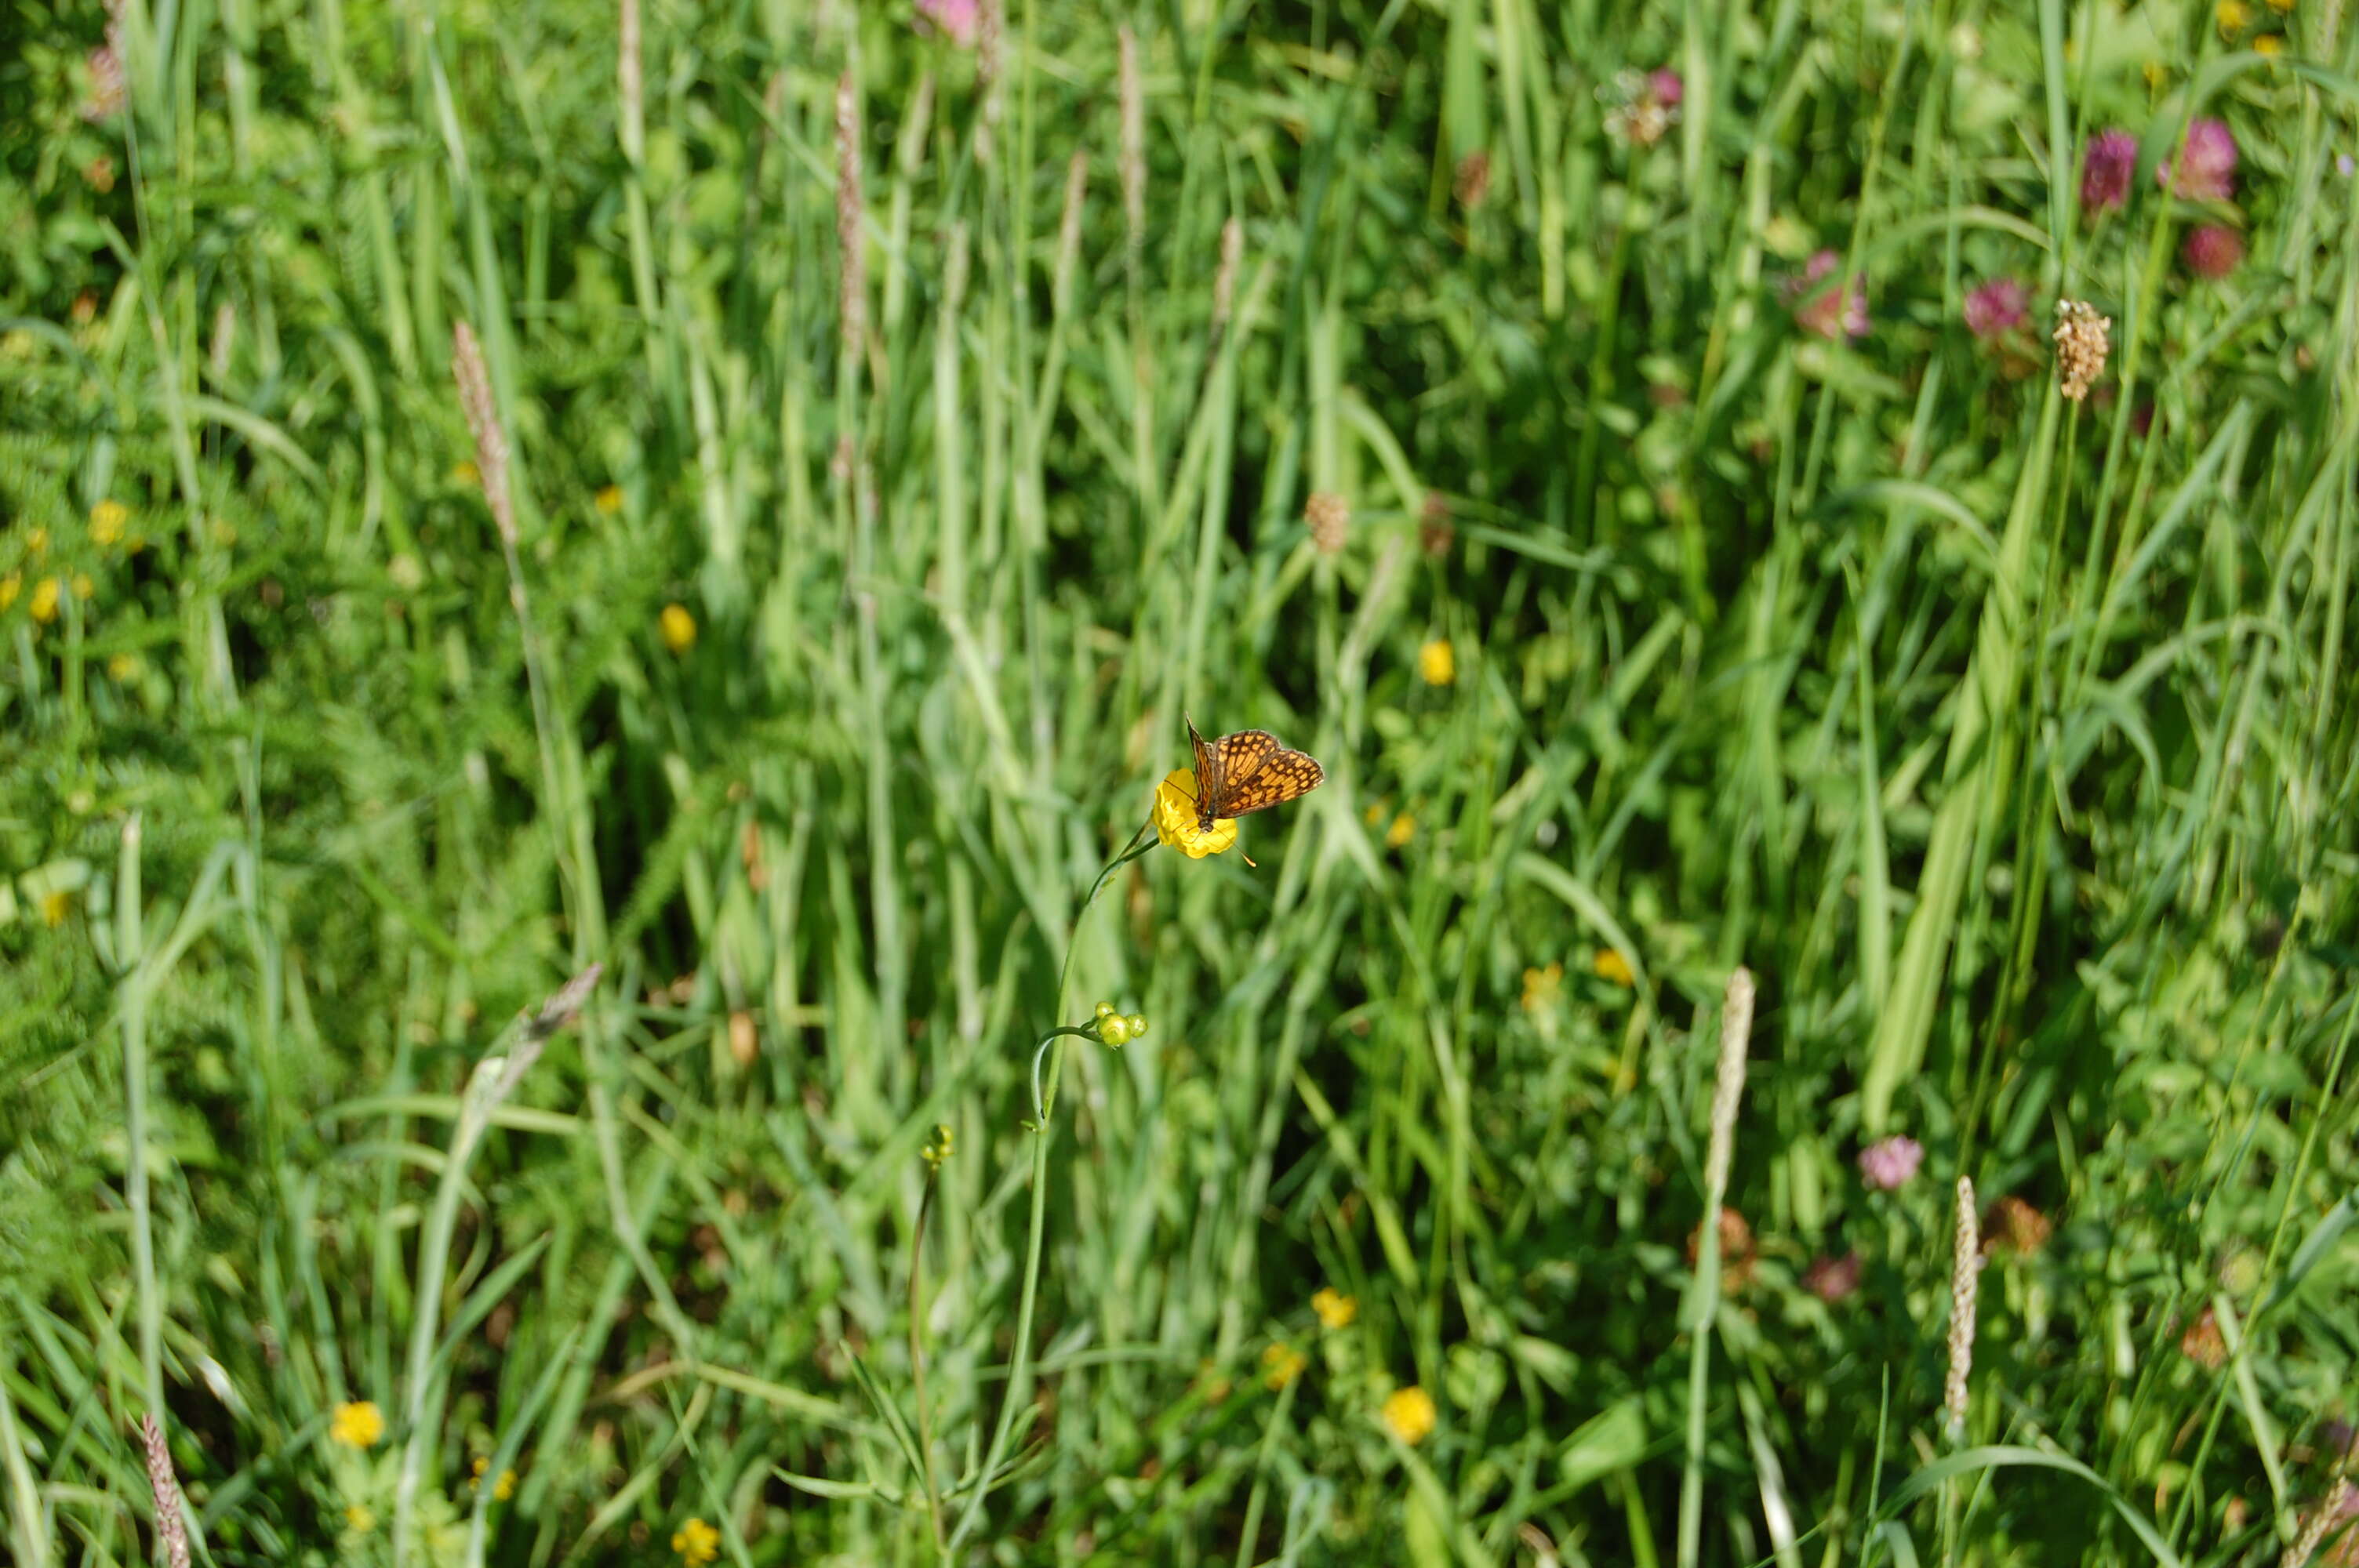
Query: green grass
[2008,742]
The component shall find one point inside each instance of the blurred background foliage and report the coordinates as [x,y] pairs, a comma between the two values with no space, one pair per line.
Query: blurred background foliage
[906,417]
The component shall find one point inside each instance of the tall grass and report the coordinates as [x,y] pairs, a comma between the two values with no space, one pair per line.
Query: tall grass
[869,440]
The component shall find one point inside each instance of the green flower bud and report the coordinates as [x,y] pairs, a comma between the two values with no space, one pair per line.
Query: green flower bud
[1138,1026]
[1114,1030]
[1106,1010]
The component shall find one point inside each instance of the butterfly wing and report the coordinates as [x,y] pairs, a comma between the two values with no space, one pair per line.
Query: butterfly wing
[1255,772]
[1208,776]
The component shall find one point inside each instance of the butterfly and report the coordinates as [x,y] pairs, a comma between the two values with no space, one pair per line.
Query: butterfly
[1248,772]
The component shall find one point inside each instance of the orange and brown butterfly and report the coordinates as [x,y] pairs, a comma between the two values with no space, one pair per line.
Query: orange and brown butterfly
[1234,776]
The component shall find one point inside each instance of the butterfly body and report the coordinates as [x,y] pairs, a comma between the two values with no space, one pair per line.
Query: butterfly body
[1248,772]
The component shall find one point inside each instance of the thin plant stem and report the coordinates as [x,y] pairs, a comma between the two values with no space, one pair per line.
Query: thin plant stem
[917,1362]
[1019,1378]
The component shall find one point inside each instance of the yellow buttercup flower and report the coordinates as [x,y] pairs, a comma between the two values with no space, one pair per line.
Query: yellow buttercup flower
[1403,830]
[502,1488]
[1437,663]
[1542,987]
[358,1424]
[1175,817]
[1612,966]
[678,628]
[1408,1414]
[106,521]
[2231,15]
[10,587]
[44,603]
[1336,1309]
[2269,44]
[610,500]
[123,666]
[1281,1364]
[359,1520]
[697,1542]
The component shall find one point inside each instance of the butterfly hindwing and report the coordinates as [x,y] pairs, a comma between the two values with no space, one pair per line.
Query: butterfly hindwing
[1255,772]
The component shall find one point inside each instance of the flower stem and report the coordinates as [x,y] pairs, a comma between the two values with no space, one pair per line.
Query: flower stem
[918,1362]
[1019,1375]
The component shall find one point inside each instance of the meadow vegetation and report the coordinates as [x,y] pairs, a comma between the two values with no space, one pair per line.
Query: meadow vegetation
[1814,540]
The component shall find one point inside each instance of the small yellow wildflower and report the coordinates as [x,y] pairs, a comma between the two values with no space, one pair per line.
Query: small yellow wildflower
[81,584]
[678,628]
[1403,830]
[1612,966]
[463,472]
[1175,817]
[1281,1364]
[2231,15]
[1374,813]
[56,906]
[2269,44]
[1437,663]
[1541,988]
[502,1488]
[610,500]
[1408,1414]
[359,1520]
[10,587]
[123,666]
[44,603]
[1336,1309]
[37,542]
[358,1424]
[106,521]
[697,1542]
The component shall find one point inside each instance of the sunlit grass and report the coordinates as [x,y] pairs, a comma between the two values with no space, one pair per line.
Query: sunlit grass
[746,498]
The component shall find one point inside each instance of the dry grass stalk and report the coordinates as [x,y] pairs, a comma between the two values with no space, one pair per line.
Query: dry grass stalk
[171,1530]
[1728,1082]
[851,252]
[1965,1265]
[483,421]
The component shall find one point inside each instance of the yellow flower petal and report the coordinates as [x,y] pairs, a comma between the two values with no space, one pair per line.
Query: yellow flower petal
[1437,663]
[358,1424]
[44,603]
[106,521]
[1541,988]
[1336,1309]
[1403,830]
[1281,1364]
[1612,966]
[1176,821]
[678,628]
[697,1542]
[1408,1414]
[610,500]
